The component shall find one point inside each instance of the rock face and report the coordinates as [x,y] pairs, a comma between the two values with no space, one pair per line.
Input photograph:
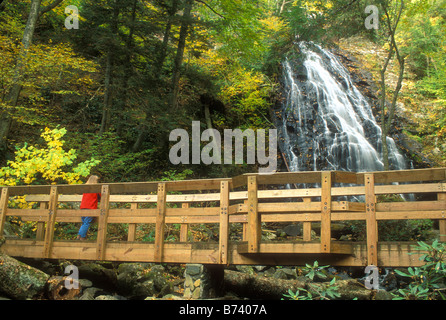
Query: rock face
[142,280]
[202,282]
[138,281]
[20,281]
[325,122]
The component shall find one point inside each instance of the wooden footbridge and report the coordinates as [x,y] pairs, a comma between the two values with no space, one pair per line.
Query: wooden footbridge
[249,200]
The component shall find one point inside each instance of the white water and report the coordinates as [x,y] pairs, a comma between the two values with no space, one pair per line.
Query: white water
[327,122]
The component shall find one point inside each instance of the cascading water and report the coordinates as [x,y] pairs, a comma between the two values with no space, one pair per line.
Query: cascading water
[327,124]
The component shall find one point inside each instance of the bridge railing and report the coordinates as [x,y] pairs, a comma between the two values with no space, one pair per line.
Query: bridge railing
[250,199]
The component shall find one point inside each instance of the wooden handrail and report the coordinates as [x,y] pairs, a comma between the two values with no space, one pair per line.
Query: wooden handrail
[224,205]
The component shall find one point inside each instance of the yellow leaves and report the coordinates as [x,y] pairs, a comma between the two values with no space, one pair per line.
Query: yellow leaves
[33,164]
[273,24]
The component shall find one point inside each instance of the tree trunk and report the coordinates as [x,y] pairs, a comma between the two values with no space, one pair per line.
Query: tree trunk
[259,287]
[255,287]
[16,88]
[163,50]
[56,289]
[106,111]
[180,53]
[386,120]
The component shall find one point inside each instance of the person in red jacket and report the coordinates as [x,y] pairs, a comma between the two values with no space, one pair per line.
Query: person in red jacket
[89,201]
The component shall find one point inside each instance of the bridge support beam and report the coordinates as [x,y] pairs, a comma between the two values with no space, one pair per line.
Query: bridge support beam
[203,281]
[326,212]
[442,222]
[3,207]
[160,220]
[372,225]
[50,224]
[254,221]
[102,223]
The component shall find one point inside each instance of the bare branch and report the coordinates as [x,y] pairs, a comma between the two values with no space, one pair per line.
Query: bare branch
[212,9]
[50,7]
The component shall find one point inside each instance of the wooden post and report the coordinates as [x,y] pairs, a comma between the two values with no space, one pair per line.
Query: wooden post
[160,220]
[184,226]
[49,232]
[307,226]
[326,212]
[3,208]
[224,223]
[245,225]
[132,226]
[102,223]
[40,231]
[254,221]
[372,226]
[442,222]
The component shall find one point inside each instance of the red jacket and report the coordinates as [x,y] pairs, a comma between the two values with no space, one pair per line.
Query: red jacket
[90,200]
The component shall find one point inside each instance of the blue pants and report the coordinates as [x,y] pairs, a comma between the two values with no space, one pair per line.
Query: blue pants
[86,221]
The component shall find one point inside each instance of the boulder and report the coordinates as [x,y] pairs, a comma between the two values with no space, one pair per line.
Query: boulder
[99,275]
[20,281]
[140,280]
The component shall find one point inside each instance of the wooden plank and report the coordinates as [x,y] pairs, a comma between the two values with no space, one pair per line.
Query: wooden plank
[254,219]
[101,242]
[4,199]
[262,194]
[272,207]
[393,254]
[410,215]
[131,236]
[184,229]
[40,231]
[306,229]
[202,184]
[289,177]
[51,220]
[239,181]
[411,206]
[344,177]
[431,174]
[160,220]
[325,212]
[224,223]
[297,247]
[372,226]
[442,222]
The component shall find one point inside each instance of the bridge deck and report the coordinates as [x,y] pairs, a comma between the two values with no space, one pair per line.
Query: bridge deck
[247,200]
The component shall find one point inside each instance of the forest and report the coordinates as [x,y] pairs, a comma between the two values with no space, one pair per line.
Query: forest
[102,96]
[96,87]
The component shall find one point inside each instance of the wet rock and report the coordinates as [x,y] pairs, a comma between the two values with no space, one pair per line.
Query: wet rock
[140,280]
[99,275]
[285,273]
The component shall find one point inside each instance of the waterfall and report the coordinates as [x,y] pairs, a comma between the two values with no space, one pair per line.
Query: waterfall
[326,123]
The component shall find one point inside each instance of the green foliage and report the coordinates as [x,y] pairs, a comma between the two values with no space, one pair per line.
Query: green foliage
[428,282]
[324,291]
[48,164]
[314,270]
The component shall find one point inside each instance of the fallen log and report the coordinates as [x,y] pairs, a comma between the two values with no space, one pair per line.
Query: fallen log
[257,287]
[20,281]
[57,289]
